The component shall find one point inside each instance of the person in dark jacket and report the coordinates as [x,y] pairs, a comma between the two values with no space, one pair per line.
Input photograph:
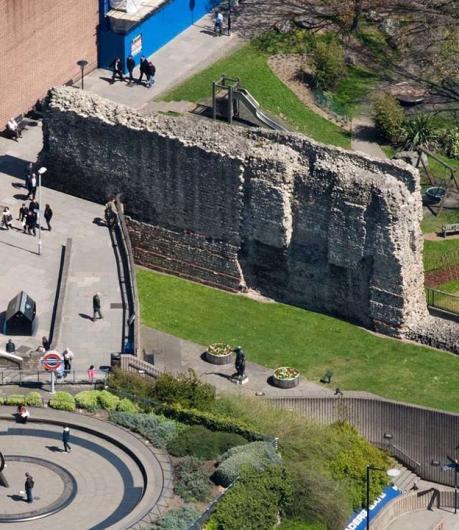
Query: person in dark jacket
[66,439]
[29,484]
[143,67]
[22,212]
[130,63]
[151,72]
[48,215]
[96,307]
[45,343]
[31,222]
[10,346]
[117,69]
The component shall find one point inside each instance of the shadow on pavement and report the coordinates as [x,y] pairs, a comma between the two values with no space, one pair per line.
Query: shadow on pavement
[12,165]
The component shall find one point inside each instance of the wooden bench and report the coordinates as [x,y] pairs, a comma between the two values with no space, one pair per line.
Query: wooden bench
[449,229]
[21,120]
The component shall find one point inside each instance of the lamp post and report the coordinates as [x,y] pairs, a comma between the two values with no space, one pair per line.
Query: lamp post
[229,18]
[82,63]
[41,172]
[389,472]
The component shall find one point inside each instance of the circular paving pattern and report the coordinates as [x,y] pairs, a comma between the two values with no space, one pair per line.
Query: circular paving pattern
[110,479]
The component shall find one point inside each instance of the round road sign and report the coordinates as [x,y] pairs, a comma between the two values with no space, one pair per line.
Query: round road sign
[51,361]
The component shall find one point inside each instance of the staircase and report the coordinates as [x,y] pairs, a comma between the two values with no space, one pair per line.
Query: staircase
[406,480]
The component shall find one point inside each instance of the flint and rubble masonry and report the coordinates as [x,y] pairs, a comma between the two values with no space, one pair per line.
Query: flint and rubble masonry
[307,224]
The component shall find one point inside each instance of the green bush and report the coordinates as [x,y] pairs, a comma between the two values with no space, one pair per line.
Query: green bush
[259,455]
[450,142]
[123,382]
[62,401]
[201,442]
[33,399]
[14,400]
[255,501]
[126,405]
[186,390]
[88,400]
[177,519]
[350,461]
[191,480]
[328,64]
[214,422]
[157,429]
[420,130]
[388,116]
[107,400]
[274,42]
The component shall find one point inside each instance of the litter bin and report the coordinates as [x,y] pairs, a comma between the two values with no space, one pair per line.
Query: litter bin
[20,315]
[115,360]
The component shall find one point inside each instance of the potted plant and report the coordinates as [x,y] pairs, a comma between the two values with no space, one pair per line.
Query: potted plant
[219,353]
[286,377]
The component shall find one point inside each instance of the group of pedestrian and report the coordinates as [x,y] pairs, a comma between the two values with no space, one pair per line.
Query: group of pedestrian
[146,67]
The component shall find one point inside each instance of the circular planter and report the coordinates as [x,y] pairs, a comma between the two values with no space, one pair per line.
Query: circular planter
[222,354]
[286,382]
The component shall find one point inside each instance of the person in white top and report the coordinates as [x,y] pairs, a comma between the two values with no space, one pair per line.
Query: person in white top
[218,27]
[68,358]
[13,127]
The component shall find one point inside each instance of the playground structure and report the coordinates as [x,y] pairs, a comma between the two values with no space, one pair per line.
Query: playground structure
[228,104]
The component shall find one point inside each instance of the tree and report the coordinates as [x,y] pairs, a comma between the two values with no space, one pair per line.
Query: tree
[328,64]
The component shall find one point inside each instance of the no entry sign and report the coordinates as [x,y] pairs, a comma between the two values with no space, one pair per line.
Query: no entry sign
[51,361]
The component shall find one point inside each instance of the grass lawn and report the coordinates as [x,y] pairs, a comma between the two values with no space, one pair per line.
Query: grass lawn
[278,334]
[440,254]
[450,287]
[299,525]
[433,223]
[250,65]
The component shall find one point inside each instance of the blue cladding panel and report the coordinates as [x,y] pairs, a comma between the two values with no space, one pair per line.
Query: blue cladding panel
[157,30]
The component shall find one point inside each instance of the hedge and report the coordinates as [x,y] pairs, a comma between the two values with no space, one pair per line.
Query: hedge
[177,519]
[63,401]
[31,399]
[191,481]
[258,455]
[213,422]
[87,400]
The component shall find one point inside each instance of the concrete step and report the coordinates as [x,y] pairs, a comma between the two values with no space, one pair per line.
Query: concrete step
[405,481]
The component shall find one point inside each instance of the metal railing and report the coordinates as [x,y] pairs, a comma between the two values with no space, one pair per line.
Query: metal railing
[40,377]
[441,300]
[403,457]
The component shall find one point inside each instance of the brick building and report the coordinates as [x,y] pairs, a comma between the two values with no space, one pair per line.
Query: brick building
[40,42]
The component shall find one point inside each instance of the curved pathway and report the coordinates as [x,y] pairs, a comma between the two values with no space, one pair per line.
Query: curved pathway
[110,479]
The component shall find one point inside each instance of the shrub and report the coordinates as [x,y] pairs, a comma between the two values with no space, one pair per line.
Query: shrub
[107,400]
[420,130]
[255,501]
[328,64]
[157,429]
[273,42]
[450,142]
[62,401]
[388,116]
[177,519]
[33,399]
[14,400]
[191,480]
[203,443]
[87,400]
[130,383]
[126,405]
[186,389]
[259,455]
[214,422]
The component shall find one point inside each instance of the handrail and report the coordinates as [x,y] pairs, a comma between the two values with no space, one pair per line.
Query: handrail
[404,456]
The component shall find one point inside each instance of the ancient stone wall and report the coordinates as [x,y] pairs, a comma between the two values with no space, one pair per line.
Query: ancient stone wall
[311,225]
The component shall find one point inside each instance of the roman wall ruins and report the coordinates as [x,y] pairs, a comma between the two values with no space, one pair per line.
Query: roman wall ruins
[307,224]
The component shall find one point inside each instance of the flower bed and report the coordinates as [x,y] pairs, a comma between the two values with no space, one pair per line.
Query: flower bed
[219,353]
[286,377]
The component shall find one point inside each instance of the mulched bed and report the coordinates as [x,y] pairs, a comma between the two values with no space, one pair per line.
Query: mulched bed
[435,278]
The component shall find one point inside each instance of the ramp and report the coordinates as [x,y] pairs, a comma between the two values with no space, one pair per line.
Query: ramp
[252,105]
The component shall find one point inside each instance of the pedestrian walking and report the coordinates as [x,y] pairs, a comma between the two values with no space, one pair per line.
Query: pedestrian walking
[48,215]
[68,358]
[96,306]
[7,218]
[45,343]
[66,439]
[28,174]
[13,128]
[218,23]
[117,69]
[22,212]
[31,222]
[32,187]
[92,374]
[130,63]
[143,67]
[10,346]
[29,485]
[151,72]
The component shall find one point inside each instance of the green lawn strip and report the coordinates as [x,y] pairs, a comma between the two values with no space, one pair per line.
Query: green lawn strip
[300,525]
[450,287]
[278,335]
[433,223]
[441,254]
[250,65]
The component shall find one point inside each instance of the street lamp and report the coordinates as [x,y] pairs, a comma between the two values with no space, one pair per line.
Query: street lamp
[229,18]
[390,473]
[82,63]
[41,172]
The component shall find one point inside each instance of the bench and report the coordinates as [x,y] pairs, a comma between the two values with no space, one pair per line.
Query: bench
[449,229]
[21,120]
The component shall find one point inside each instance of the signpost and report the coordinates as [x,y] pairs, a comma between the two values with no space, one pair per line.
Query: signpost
[52,361]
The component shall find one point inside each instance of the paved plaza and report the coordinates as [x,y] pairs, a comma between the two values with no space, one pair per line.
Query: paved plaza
[425,520]
[92,267]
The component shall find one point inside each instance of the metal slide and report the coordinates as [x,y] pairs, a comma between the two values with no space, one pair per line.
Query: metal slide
[253,106]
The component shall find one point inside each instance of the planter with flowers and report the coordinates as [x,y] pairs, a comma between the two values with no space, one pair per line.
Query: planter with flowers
[219,353]
[286,377]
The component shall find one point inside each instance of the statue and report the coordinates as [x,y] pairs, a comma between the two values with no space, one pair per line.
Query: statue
[3,481]
[240,363]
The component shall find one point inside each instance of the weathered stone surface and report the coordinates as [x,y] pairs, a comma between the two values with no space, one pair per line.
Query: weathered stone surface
[308,224]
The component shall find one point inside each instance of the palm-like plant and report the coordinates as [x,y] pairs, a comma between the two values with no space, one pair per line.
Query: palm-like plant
[421,130]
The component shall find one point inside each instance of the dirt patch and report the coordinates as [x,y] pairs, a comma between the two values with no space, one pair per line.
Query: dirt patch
[435,278]
[288,69]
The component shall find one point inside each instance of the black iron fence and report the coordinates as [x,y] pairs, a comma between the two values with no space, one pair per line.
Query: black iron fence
[441,300]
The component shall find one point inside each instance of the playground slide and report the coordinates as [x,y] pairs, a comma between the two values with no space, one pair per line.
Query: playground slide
[253,106]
